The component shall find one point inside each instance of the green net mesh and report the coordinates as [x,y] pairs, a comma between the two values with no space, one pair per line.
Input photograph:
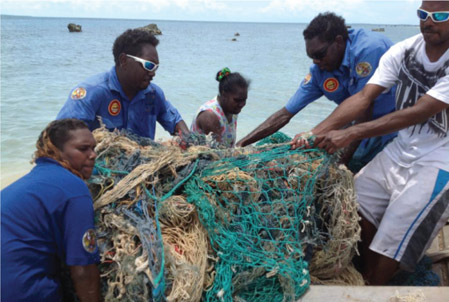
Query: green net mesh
[257,211]
[275,138]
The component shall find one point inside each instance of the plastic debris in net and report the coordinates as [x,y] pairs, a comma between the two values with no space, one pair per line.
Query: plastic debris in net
[151,240]
[258,213]
[245,224]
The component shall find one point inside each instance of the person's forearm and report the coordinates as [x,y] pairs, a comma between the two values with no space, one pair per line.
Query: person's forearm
[353,108]
[419,113]
[396,121]
[349,152]
[181,127]
[275,122]
[86,280]
[348,111]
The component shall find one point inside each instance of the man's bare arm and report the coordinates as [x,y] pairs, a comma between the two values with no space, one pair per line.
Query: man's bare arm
[425,108]
[272,124]
[353,108]
[182,128]
[86,280]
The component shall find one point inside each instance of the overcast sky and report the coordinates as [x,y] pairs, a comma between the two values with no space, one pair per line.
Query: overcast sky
[298,11]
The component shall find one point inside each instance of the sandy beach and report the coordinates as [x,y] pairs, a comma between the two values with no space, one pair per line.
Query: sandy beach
[6,181]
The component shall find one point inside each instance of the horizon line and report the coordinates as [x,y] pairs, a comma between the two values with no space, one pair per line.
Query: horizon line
[218,21]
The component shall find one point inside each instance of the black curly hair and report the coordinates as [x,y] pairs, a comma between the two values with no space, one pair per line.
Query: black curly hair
[327,26]
[231,80]
[131,41]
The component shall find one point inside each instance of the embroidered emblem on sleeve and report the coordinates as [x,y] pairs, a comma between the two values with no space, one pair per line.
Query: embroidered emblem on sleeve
[114,107]
[363,69]
[330,85]
[78,94]
[90,241]
[307,79]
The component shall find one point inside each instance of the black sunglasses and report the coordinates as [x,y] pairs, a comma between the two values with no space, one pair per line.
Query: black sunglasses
[319,55]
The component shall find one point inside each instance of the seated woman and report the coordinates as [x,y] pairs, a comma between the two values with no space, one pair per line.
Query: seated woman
[219,115]
[47,217]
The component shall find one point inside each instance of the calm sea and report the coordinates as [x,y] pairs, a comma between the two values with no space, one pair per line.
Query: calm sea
[41,61]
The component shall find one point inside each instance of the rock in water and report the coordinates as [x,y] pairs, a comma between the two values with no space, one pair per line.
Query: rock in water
[152,28]
[74,27]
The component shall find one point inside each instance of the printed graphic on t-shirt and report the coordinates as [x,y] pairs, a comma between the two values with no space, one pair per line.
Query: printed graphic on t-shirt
[414,82]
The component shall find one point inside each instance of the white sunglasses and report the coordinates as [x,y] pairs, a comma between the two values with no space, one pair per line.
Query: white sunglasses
[148,65]
[436,17]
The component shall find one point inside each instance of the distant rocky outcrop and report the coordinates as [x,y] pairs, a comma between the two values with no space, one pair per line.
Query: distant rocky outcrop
[151,28]
[74,27]
[236,34]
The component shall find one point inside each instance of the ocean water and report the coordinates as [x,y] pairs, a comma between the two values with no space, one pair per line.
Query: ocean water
[41,62]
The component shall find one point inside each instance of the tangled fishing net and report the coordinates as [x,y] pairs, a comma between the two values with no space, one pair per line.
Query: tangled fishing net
[206,224]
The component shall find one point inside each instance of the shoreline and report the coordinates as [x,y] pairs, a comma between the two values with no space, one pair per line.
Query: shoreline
[9,177]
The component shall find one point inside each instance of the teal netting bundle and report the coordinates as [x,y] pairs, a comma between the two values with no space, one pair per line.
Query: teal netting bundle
[204,224]
[275,138]
[422,276]
[258,212]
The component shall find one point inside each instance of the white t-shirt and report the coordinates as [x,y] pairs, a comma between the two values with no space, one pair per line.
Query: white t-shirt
[407,65]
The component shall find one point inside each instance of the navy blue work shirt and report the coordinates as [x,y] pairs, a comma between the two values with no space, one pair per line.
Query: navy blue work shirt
[47,217]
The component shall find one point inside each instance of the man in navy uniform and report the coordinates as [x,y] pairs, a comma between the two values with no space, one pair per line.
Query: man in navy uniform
[125,97]
[343,62]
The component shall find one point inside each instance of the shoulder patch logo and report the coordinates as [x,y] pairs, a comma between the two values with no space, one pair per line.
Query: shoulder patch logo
[363,69]
[90,241]
[331,84]
[114,107]
[78,94]
[307,78]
